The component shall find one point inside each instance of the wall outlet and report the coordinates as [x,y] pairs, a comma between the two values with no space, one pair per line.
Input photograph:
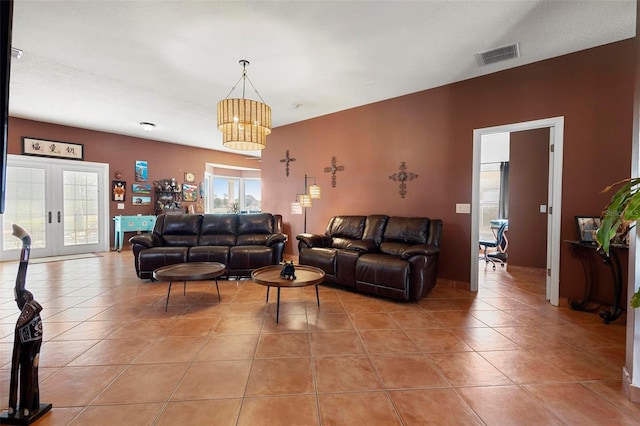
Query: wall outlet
[543,208]
[120,206]
[464,208]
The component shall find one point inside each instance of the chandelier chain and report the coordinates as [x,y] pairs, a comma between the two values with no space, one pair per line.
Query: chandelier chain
[244,77]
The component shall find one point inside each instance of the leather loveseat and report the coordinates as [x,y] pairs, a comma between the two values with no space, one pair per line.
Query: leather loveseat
[243,242]
[394,257]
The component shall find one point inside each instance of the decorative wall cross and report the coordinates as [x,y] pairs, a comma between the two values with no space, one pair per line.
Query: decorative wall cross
[333,169]
[287,160]
[402,177]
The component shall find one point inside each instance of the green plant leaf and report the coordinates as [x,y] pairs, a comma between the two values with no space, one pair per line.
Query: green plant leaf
[635,300]
[622,211]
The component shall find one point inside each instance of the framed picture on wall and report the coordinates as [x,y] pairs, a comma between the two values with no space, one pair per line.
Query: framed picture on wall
[141,188]
[189,192]
[141,171]
[119,190]
[140,200]
[54,149]
[587,228]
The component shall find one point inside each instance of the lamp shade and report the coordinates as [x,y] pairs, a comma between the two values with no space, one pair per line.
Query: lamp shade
[296,208]
[305,200]
[314,191]
[244,123]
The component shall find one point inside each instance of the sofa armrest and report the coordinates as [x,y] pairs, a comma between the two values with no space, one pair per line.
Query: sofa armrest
[363,246]
[147,240]
[275,238]
[313,240]
[420,249]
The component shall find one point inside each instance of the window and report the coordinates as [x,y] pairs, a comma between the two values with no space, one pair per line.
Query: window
[235,195]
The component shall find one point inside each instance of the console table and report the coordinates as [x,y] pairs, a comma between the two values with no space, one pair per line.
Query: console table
[131,224]
[587,254]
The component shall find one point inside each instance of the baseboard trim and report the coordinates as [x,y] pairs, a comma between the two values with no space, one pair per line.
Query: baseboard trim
[633,392]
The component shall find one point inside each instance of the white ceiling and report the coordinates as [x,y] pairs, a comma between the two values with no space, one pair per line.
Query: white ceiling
[107,65]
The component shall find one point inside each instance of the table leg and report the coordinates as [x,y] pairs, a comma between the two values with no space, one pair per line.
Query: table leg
[268,288]
[278,307]
[616,274]
[218,289]
[184,289]
[317,295]
[168,294]
[588,267]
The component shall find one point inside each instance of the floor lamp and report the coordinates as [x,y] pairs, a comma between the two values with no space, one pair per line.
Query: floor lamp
[304,200]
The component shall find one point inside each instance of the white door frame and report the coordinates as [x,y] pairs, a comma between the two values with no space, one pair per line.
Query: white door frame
[556,127]
[104,196]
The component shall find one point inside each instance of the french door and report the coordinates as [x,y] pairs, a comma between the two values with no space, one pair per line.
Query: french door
[62,204]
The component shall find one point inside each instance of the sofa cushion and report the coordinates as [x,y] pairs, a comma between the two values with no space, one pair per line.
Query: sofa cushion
[323,258]
[181,230]
[383,270]
[253,239]
[350,227]
[393,248]
[249,257]
[157,257]
[374,228]
[255,224]
[408,230]
[218,230]
[209,254]
[343,243]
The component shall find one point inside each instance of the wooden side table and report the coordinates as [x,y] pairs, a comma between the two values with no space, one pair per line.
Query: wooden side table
[269,276]
[196,271]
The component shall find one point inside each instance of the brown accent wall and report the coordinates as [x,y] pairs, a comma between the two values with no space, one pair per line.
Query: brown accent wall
[165,160]
[432,131]
[528,189]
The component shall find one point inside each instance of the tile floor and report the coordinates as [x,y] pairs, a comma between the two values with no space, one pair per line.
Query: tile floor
[112,356]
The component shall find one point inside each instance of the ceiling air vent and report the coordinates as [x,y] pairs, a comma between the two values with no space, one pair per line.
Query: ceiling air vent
[499,54]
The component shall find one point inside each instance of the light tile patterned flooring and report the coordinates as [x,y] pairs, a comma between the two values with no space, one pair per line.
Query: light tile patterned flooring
[503,356]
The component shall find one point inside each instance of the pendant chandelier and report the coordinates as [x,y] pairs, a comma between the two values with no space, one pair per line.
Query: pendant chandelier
[244,123]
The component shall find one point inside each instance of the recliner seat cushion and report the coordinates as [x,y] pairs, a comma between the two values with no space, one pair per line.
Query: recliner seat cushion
[383,270]
[209,254]
[249,257]
[154,258]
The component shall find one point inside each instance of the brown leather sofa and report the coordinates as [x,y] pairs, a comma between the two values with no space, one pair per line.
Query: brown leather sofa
[243,242]
[394,257]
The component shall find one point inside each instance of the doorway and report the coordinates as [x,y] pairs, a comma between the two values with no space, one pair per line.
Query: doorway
[556,132]
[62,204]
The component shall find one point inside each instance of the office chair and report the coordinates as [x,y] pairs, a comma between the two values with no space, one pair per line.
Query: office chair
[498,242]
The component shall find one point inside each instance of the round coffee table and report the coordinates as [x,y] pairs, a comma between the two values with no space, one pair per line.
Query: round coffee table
[269,276]
[196,271]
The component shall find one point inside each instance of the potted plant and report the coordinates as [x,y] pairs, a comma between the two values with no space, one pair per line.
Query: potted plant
[619,216]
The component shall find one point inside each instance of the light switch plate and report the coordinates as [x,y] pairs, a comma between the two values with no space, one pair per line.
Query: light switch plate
[543,208]
[464,208]
[120,206]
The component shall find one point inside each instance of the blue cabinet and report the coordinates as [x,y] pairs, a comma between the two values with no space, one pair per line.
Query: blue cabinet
[131,224]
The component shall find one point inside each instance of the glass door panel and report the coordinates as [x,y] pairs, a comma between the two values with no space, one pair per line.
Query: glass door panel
[25,206]
[80,207]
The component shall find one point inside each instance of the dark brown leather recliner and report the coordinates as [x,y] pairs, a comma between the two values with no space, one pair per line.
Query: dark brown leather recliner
[394,257]
[242,242]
